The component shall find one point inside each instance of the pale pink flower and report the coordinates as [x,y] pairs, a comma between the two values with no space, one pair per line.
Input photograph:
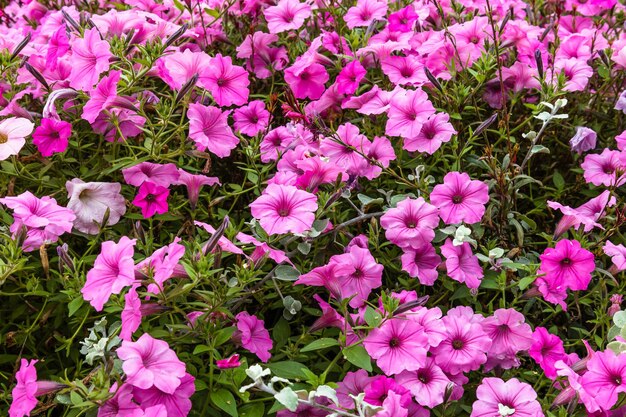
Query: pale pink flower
[408,113]
[13,132]
[194,183]
[131,315]
[91,201]
[364,13]
[460,199]
[462,265]
[508,331]
[227,83]
[617,254]
[253,336]
[435,131]
[604,169]
[286,15]
[177,404]
[493,394]
[427,384]
[90,58]
[159,174]
[411,224]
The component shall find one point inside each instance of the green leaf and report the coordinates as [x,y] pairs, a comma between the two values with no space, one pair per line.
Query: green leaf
[372,317]
[286,273]
[288,369]
[223,335]
[252,410]
[539,149]
[358,356]
[201,349]
[323,343]
[525,282]
[620,319]
[74,305]
[224,400]
[288,398]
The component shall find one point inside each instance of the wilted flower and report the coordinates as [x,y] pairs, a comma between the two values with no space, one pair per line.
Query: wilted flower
[91,201]
[584,140]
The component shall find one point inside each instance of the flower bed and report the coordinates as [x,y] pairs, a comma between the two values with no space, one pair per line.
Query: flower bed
[320,208]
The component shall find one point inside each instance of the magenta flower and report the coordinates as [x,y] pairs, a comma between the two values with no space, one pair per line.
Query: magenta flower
[353,383]
[228,363]
[131,315]
[194,184]
[52,136]
[427,384]
[604,169]
[43,219]
[347,149]
[58,46]
[306,80]
[408,113]
[329,318]
[90,58]
[13,132]
[364,274]
[253,336]
[284,209]
[286,15]
[508,331]
[150,362]
[397,345]
[252,118]
[421,263]
[511,398]
[584,140]
[102,97]
[177,404]
[435,131]
[364,13]
[605,378]
[411,224]
[316,171]
[24,400]
[227,83]
[462,265]
[460,199]
[163,175]
[151,199]
[546,350]
[568,264]
[349,78]
[91,201]
[466,344]
[113,270]
[162,265]
[208,128]
[402,20]
[262,249]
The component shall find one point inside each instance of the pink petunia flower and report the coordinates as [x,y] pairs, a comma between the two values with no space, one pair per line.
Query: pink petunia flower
[13,132]
[284,209]
[403,20]
[91,201]
[208,128]
[131,315]
[286,15]
[587,214]
[121,404]
[546,350]
[364,13]
[150,362]
[462,265]
[508,331]
[460,199]
[466,344]
[347,148]
[407,113]
[617,254]
[227,83]
[262,249]
[253,336]
[162,265]
[349,78]
[151,199]
[498,398]
[177,404]
[435,131]
[306,80]
[421,263]
[604,169]
[52,136]
[568,264]
[362,274]
[252,118]
[428,384]
[194,183]
[102,97]
[112,271]
[397,345]
[605,378]
[90,58]
[58,46]
[411,224]
[24,399]
[584,140]
[159,174]
[43,219]
[178,68]
[228,363]
[353,383]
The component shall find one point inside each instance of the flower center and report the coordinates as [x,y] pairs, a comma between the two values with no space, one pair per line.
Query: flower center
[283,212]
[457,199]
[566,261]
[423,377]
[150,198]
[3,138]
[358,274]
[411,225]
[221,82]
[457,344]
[617,379]
[394,342]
